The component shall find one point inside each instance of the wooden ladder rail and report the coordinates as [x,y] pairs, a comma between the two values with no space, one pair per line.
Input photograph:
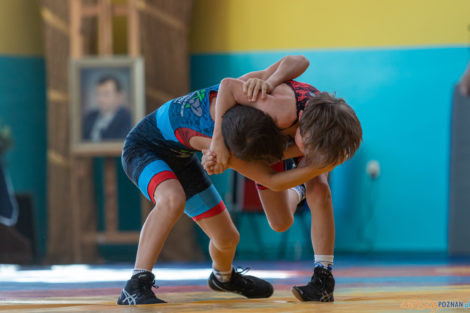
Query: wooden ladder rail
[104,11]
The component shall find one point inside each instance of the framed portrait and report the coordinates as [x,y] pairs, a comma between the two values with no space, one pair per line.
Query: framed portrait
[107,98]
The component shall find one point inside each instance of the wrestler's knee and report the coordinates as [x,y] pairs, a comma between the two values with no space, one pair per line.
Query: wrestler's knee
[171,203]
[318,189]
[281,224]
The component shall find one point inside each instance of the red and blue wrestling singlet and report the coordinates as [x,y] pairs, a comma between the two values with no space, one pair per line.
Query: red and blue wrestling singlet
[158,149]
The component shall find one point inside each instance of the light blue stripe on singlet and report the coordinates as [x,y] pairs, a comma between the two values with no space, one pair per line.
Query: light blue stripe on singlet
[163,122]
[202,202]
[149,171]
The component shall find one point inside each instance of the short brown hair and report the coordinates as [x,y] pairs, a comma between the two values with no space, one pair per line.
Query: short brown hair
[330,129]
[252,135]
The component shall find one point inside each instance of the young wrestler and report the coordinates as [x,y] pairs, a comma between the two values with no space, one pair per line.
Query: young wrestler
[158,156]
[325,130]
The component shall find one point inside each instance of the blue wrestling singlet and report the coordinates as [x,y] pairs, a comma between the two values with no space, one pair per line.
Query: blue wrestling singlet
[158,149]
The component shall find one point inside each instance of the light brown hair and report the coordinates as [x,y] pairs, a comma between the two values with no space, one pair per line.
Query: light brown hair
[330,129]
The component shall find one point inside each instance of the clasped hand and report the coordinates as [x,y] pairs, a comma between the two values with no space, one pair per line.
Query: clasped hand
[209,161]
[253,86]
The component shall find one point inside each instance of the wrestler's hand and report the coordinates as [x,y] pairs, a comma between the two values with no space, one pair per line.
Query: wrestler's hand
[222,156]
[208,161]
[253,86]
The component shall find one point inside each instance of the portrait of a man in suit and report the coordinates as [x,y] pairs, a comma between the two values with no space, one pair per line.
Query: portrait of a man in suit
[110,119]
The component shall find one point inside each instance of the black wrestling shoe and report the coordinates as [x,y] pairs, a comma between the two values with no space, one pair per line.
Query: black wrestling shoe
[320,288]
[138,290]
[248,286]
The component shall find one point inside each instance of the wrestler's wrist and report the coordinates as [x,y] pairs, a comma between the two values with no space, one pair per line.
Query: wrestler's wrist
[217,141]
[272,82]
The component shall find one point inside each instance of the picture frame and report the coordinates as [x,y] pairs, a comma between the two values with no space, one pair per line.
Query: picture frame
[107,96]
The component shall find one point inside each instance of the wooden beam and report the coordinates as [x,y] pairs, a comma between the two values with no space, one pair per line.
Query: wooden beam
[57,158]
[110,189]
[120,9]
[57,95]
[75,203]
[76,37]
[105,28]
[54,21]
[133,35]
[93,150]
[112,238]
[90,10]
[76,51]
[162,16]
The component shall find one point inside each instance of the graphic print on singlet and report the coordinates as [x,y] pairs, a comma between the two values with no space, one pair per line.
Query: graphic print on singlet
[185,117]
[192,101]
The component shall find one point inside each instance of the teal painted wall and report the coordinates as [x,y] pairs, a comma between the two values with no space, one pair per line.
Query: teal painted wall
[23,108]
[402,97]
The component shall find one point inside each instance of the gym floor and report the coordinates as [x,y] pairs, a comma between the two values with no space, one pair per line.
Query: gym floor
[381,284]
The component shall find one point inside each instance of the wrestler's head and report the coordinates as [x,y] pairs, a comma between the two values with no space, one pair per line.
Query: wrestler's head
[329,131]
[251,135]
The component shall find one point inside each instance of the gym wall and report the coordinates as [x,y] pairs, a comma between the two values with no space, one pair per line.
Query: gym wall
[396,63]
[23,102]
